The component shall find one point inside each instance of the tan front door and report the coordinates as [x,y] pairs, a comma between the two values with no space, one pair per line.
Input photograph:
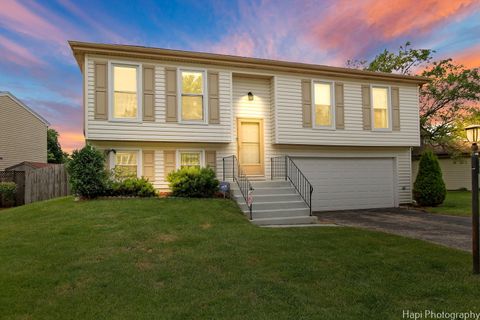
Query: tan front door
[250,146]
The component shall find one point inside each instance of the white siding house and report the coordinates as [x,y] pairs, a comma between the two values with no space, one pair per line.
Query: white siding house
[352,140]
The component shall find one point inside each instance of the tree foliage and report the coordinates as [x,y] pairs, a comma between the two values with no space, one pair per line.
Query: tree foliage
[54,150]
[451,96]
[429,188]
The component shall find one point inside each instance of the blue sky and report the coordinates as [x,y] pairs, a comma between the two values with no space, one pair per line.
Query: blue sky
[37,65]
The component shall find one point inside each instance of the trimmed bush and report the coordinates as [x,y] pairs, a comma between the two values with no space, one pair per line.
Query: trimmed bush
[429,189]
[192,182]
[7,194]
[132,187]
[87,174]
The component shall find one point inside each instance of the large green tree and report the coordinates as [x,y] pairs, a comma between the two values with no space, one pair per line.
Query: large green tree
[451,96]
[54,150]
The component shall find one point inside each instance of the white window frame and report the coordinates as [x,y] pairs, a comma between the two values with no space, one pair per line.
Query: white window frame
[111,90]
[112,159]
[204,93]
[332,104]
[179,152]
[389,108]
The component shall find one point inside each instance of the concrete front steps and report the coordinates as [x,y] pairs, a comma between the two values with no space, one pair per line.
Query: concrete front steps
[275,202]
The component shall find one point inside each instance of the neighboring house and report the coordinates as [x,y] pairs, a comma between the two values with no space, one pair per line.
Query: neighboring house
[350,132]
[27,166]
[23,133]
[456,171]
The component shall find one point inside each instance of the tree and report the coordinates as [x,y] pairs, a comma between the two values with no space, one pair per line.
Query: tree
[429,188]
[444,101]
[54,150]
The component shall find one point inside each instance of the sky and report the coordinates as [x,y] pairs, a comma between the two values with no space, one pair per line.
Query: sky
[36,64]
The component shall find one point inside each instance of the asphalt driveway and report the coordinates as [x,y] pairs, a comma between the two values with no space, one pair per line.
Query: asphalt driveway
[450,231]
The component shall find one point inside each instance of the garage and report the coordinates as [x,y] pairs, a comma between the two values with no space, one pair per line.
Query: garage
[350,183]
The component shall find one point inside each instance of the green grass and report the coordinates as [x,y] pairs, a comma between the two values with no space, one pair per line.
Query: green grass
[200,259]
[457,203]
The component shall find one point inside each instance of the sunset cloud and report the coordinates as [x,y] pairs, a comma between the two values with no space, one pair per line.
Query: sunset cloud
[17,54]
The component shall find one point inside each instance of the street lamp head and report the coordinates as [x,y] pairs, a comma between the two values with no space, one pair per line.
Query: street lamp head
[473,133]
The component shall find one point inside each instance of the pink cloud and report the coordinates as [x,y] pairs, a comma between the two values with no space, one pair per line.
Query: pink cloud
[470,57]
[17,54]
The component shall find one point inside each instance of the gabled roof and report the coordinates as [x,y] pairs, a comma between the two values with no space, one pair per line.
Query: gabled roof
[18,101]
[80,49]
[33,165]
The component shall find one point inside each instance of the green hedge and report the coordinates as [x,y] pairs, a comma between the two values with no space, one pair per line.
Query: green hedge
[429,189]
[7,194]
[192,182]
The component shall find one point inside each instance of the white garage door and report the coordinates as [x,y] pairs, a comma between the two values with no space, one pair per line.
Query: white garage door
[349,183]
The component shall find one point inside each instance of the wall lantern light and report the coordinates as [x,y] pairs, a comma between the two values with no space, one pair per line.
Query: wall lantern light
[250,96]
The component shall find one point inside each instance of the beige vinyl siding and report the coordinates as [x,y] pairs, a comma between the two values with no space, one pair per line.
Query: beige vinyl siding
[457,173]
[290,130]
[159,129]
[23,137]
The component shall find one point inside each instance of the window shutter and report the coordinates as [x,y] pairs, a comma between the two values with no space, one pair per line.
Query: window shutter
[307,103]
[213,101]
[366,108]
[339,106]
[211,159]
[169,162]
[171,94]
[395,108]
[101,92]
[148,93]
[148,160]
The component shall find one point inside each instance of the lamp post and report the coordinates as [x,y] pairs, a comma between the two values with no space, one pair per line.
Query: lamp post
[473,135]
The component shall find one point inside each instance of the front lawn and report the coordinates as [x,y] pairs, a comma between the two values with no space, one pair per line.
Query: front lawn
[201,259]
[457,203]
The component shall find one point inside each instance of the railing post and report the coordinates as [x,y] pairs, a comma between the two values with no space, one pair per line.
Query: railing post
[311,192]
[233,167]
[286,167]
[223,162]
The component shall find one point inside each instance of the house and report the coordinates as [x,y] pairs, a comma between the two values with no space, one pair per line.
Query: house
[347,133]
[23,133]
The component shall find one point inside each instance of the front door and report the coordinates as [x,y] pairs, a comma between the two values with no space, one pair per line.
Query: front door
[250,146]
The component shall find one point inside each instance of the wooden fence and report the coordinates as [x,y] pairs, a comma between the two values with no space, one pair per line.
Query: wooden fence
[46,183]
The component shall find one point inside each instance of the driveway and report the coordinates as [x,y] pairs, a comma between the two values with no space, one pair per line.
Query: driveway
[450,231]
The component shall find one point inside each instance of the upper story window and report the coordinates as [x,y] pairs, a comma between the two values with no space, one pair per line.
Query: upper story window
[125,92]
[323,104]
[126,163]
[192,96]
[380,106]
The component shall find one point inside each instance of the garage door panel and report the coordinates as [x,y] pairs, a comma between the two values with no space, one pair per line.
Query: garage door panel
[349,183]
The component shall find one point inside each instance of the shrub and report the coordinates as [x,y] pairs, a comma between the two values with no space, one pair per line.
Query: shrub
[7,194]
[429,188]
[87,174]
[193,182]
[134,187]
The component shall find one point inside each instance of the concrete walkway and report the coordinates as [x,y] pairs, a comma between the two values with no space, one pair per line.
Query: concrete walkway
[450,231]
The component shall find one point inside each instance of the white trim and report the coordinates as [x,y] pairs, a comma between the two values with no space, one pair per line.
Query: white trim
[332,104]
[178,158]
[389,108]
[86,93]
[204,95]
[18,101]
[138,66]
[112,159]
[275,106]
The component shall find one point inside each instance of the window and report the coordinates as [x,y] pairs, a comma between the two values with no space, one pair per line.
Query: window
[192,104]
[190,159]
[126,163]
[125,92]
[323,104]
[380,107]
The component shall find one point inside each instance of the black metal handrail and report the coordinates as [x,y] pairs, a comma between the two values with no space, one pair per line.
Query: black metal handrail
[240,178]
[283,167]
